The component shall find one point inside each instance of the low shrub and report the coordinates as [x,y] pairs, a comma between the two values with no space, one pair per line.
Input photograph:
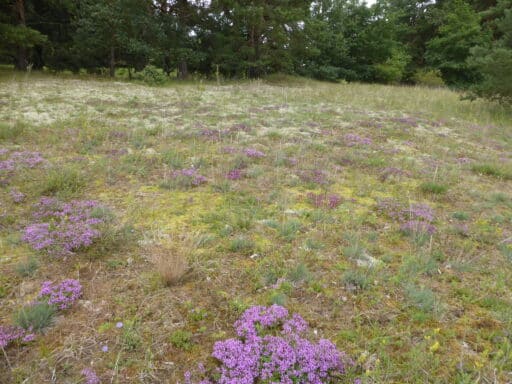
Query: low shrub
[151,75]
[428,78]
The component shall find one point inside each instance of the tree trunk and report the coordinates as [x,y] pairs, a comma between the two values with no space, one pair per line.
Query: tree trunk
[21,62]
[112,62]
[167,65]
[182,70]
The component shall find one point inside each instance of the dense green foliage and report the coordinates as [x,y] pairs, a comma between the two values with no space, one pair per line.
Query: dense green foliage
[461,43]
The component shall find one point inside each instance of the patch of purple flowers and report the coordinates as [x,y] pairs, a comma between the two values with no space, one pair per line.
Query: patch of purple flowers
[322,200]
[393,172]
[408,121]
[17,160]
[63,228]
[415,218]
[17,196]
[352,140]
[11,334]
[218,134]
[20,160]
[271,348]
[62,295]
[235,174]
[370,124]
[254,153]
[315,176]
[212,134]
[27,158]
[188,177]
[228,149]
[463,160]
[90,376]
[418,226]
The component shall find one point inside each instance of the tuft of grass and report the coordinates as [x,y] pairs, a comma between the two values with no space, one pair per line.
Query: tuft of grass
[356,280]
[499,197]
[35,317]
[173,159]
[300,274]
[419,265]
[278,298]
[181,339]
[11,131]
[131,339]
[422,298]
[506,251]
[242,244]
[27,267]
[462,216]
[288,230]
[113,238]
[170,263]
[493,170]
[313,245]
[103,213]
[64,181]
[433,187]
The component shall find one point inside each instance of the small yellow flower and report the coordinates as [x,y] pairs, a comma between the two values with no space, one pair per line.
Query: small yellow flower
[434,347]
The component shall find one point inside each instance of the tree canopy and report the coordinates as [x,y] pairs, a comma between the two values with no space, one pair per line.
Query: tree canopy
[464,43]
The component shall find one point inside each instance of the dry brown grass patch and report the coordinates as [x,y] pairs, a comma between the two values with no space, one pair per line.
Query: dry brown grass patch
[170,261]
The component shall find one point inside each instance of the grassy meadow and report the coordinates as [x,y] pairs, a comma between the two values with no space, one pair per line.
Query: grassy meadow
[381,214]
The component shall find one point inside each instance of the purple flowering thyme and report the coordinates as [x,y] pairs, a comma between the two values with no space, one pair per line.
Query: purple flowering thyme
[62,295]
[235,174]
[17,196]
[188,177]
[62,228]
[254,153]
[90,376]
[415,218]
[314,176]
[320,200]
[16,161]
[352,140]
[10,334]
[271,348]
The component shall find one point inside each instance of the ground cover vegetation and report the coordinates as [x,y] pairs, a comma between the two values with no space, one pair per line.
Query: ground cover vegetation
[258,231]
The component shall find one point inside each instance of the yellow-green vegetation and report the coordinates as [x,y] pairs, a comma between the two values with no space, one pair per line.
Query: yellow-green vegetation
[383,215]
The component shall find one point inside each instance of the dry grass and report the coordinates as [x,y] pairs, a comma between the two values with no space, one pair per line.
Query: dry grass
[170,262]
